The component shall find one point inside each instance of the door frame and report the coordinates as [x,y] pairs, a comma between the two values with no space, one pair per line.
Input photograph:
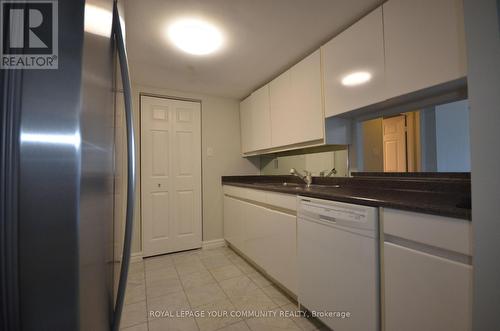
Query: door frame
[139,191]
[405,116]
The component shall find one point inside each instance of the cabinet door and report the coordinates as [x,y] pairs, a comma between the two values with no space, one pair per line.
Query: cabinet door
[307,104]
[282,121]
[261,119]
[283,251]
[425,292]
[246,125]
[357,51]
[268,237]
[424,44]
[233,222]
[257,242]
[296,106]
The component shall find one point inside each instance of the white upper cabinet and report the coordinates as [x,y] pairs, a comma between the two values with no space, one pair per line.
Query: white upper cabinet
[296,104]
[307,99]
[424,44]
[246,125]
[280,90]
[399,48]
[255,121]
[261,118]
[357,51]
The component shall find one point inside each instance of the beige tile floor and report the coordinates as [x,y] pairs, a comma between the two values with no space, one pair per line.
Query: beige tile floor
[211,280]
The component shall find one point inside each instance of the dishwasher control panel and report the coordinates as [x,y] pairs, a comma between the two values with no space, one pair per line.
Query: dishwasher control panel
[343,214]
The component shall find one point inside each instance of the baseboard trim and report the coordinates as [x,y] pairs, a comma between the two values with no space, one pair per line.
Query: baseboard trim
[136,257]
[213,243]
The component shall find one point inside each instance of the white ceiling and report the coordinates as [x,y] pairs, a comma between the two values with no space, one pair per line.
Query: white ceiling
[263,38]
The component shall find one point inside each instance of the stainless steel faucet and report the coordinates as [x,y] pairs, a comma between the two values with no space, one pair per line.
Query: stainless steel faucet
[307,178]
[331,173]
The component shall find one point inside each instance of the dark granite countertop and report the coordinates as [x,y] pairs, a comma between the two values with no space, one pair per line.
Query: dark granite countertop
[438,196]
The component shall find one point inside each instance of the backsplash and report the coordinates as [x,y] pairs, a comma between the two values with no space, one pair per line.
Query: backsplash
[325,160]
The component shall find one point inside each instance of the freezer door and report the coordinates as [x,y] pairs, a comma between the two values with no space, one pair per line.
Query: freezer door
[66,179]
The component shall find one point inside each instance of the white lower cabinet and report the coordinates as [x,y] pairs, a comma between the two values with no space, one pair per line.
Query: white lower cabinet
[427,272]
[263,226]
[283,251]
[425,292]
[257,239]
[233,221]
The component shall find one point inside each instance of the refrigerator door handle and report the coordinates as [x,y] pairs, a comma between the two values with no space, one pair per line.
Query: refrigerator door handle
[122,55]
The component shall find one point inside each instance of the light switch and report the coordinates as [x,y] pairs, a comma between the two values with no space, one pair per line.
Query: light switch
[210,151]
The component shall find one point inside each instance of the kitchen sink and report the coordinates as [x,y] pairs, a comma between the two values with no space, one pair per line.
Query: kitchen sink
[300,186]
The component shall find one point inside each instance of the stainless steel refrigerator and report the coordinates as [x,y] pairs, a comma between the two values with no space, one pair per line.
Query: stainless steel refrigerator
[58,175]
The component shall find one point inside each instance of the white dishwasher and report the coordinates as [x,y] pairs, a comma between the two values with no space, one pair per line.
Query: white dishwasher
[338,258]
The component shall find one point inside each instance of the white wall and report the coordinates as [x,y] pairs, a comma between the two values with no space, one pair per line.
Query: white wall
[220,124]
[452,137]
[482,27]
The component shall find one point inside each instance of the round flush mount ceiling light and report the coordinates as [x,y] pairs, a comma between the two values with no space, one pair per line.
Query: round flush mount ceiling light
[356,78]
[195,36]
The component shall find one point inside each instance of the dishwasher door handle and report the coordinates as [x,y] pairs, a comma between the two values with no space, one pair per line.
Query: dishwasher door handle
[318,221]
[327,218]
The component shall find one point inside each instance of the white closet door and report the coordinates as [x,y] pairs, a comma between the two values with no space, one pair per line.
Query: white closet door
[394,144]
[170,175]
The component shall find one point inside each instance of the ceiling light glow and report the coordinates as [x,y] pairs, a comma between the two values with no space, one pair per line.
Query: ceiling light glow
[356,78]
[195,36]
